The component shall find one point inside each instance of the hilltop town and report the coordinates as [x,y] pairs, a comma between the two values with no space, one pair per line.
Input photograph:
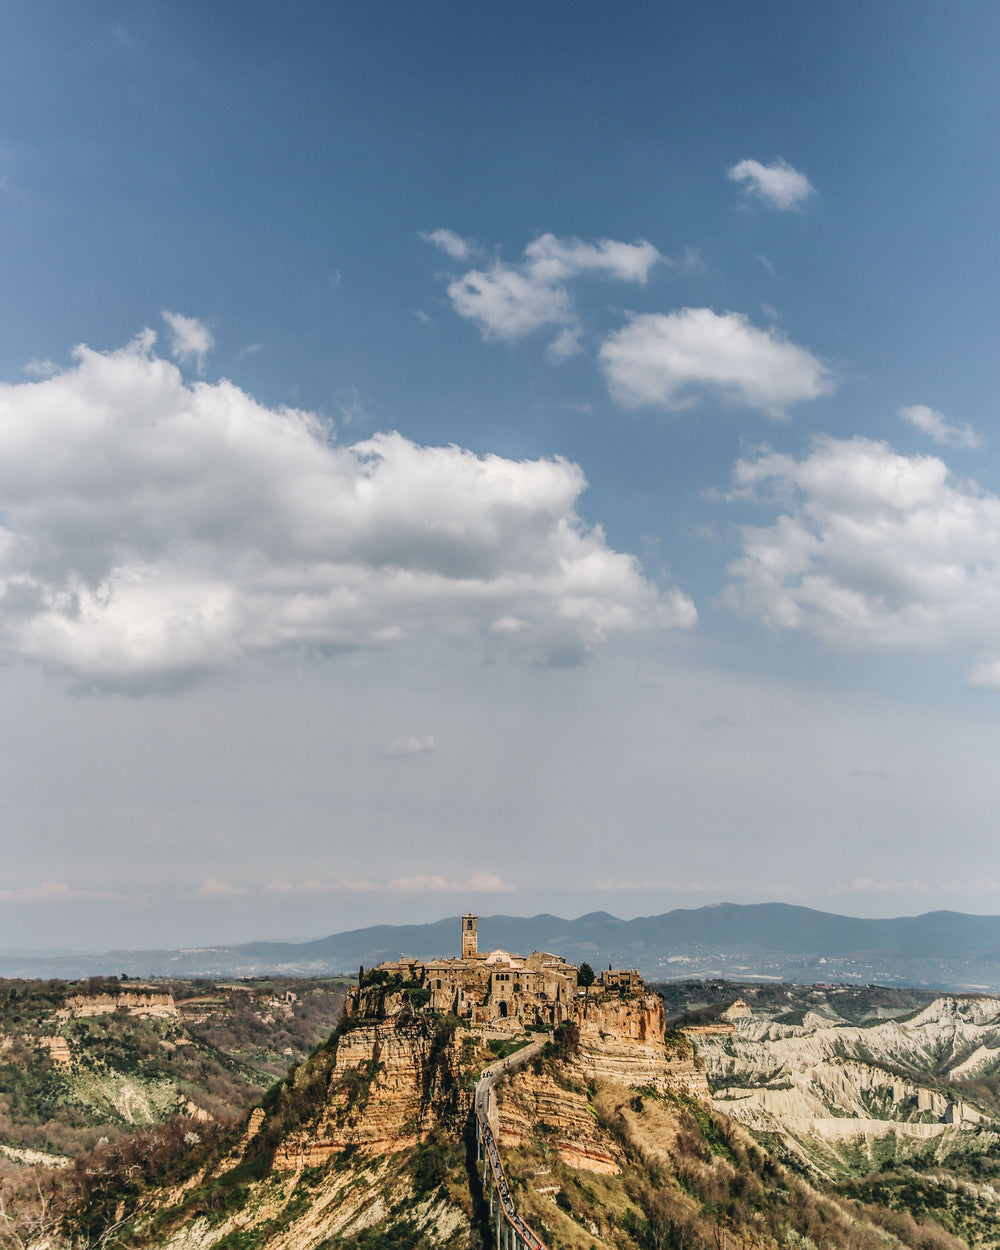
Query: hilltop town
[495,990]
[494,1098]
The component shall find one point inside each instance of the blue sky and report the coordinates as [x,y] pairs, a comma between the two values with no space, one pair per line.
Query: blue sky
[562,475]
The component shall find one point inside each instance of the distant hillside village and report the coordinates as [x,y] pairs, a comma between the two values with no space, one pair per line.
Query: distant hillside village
[496,990]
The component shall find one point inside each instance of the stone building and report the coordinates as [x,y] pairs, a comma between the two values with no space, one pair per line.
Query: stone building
[496,990]
[620,981]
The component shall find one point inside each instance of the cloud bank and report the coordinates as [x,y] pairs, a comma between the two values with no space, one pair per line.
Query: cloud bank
[481,882]
[671,360]
[779,184]
[155,532]
[872,551]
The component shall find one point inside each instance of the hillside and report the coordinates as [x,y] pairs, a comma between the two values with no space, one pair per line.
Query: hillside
[868,1092]
[98,1059]
[939,950]
[607,1136]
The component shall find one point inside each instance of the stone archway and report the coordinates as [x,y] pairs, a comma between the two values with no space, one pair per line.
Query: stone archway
[503,1011]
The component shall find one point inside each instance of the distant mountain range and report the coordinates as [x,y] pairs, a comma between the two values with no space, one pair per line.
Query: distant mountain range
[939,950]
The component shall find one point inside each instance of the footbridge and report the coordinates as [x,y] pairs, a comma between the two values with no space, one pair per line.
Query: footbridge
[512,1233]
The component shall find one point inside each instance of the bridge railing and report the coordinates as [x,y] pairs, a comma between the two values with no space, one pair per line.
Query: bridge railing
[512,1232]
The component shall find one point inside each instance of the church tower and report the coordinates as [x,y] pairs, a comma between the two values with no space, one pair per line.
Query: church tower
[469,937]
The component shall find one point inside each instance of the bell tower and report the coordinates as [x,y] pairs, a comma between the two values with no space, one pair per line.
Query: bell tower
[469,936]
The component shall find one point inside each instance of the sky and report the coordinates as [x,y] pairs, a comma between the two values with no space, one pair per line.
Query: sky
[507,458]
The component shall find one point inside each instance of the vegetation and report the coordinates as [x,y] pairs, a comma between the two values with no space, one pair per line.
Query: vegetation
[120,1070]
[565,1041]
[692,1180]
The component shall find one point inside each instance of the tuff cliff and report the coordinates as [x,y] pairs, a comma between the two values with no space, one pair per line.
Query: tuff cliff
[391,1081]
[623,1039]
[136,1003]
[370,1126]
[615,1044]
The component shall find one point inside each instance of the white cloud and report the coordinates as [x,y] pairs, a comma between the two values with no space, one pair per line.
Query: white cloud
[693,260]
[552,259]
[155,532]
[984,675]
[872,551]
[420,883]
[506,303]
[411,746]
[190,338]
[866,885]
[669,359]
[779,184]
[251,349]
[55,892]
[36,368]
[450,242]
[937,426]
[511,301]
[210,888]
[565,345]
[477,883]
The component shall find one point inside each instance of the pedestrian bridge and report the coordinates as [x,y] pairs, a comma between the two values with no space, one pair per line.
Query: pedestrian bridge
[511,1231]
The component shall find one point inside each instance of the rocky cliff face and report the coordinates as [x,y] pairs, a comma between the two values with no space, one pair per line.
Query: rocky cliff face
[622,1039]
[135,1003]
[391,1081]
[534,1101]
[621,1047]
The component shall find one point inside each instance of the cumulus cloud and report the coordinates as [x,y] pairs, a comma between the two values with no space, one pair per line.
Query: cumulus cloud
[671,360]
[937,426]
[511,301]
[450,242]
[190,339]
[778,184]
[872,551]
[155,532]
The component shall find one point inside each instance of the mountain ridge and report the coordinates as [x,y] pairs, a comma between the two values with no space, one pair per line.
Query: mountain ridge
[939,949]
